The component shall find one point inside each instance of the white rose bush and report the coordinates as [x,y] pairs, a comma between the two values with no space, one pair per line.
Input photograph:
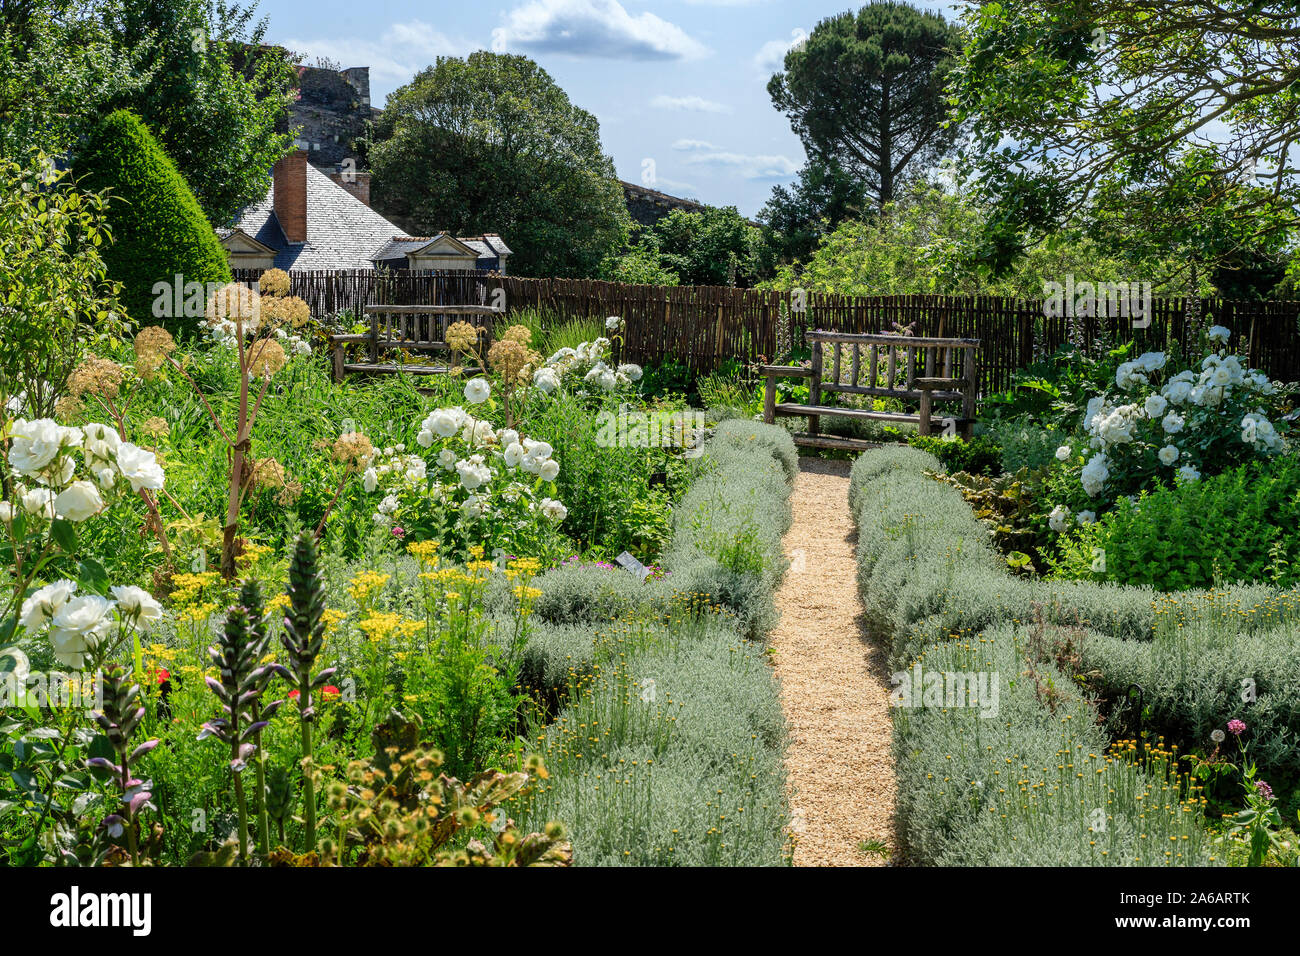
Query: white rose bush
[587,369]
[1161,426]
[60,477]
[467,483]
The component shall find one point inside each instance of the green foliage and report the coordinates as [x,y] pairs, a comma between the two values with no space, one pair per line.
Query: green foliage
[1242,525]
[797,218]
[491,143]
[55,297]
[1069,124]
[1024,443]
[867,90]
[714,246]
[158,228]
[979,456]
[199,75]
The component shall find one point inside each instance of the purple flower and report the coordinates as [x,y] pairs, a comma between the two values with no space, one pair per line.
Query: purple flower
[1236,727]
[1264,789]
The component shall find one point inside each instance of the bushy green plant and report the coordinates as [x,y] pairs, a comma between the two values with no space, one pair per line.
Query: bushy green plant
[1242,525]
[1024,442]
[159,230]
[56,299]
[979,456]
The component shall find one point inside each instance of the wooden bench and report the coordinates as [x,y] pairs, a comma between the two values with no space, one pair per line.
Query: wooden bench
[409,328]
[909,368]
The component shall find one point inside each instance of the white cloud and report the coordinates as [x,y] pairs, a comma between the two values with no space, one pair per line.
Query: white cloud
[771,55]
[746,165]
[689,104]
[599,28]
[686,145]
[402,51]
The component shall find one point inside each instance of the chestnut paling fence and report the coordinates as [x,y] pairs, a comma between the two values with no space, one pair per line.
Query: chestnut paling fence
[704,327]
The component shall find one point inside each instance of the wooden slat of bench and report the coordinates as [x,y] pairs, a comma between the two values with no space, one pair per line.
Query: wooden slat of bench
[901,341]
[933,382]
[785,371]
[393,369]
[829,441]
[791,410]
[882,392]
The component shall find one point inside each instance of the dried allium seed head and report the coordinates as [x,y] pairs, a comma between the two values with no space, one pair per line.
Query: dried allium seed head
[266,357]
[287,311]
[96,376]
[353,449]
[274,282]
[510,357]
[67,409]
[234,302]
[461,336]
[269,473]
[289,494]
[518,333]
[152,346]
[156,428]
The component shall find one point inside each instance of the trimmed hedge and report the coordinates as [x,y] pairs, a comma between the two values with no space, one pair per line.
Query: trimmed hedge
[159,229]
[934,586]
[690,772]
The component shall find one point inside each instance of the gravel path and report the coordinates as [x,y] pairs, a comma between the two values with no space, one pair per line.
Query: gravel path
[834,685]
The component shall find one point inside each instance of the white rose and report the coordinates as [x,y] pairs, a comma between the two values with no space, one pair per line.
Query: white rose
[42,603]
[39,501]
[1063,453]
[1189,473]
[1086,517]
[1059,519]
[138,604]
[550,470]
[6,512]
[553,509]
[447,459]
[34,445]
[77,626]
[370,480]
[1172,423]
[633,372]
[1167,455]
[477,390]
[79,501]
[613,322]
[514,454]
[472,474]
[1219,334]
[1155,406]
[546,380]
[139,467]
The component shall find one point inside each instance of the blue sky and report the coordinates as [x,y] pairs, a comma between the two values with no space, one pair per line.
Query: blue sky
[679,86]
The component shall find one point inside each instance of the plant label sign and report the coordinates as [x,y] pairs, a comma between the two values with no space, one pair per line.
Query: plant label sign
[632,566]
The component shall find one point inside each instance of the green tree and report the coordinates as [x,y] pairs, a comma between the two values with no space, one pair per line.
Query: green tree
[797,217]
[199,74]
[491,144]
[55,295]
[866,91]
[1145,120]
[159,231]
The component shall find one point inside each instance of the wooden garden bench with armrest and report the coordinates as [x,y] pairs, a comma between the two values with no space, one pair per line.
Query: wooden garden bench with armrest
[910,368]
[410,328]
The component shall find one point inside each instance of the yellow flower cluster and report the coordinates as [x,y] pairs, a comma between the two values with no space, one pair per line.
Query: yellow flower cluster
[364,585]
[426,552]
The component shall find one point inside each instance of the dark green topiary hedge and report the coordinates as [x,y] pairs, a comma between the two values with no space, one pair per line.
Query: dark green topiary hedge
[159,230]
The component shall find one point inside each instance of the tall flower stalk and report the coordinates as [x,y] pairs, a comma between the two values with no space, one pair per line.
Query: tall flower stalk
[243,678]
[118,719]
[302,637]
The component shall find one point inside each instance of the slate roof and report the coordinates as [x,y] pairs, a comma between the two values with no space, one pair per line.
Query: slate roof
[342,231]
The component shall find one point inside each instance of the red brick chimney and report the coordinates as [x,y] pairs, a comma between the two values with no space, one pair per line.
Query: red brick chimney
[289,195]
[357,183]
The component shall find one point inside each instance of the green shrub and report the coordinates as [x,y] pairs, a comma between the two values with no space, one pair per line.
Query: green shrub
[1022,787]
[687,769]
[1024,442]
[159,230]
[1242,525]
[744,435]
[979,456]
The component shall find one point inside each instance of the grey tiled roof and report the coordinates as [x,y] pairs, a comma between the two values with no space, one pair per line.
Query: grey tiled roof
[342,231]
[489,247]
